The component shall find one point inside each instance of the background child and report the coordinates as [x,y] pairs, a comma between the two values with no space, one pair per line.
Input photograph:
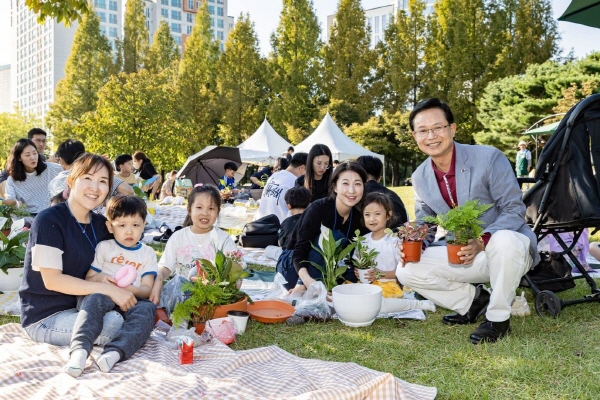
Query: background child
[296,199]
[169,185]
[125,220]
[378,215]
[124,166]
[199,238]
[228,180]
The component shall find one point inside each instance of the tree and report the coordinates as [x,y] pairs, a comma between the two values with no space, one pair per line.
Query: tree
[137,111]
[240,83]
[294,67]
[14,126]
[349,61]
[474,41]
[197,81]
[529,34]
[67,11]
[163,53]
[88,68]
[511,105]
[403,58]
[135,36]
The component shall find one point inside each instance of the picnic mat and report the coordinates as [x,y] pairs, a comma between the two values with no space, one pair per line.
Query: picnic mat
[34,370]
[256,256]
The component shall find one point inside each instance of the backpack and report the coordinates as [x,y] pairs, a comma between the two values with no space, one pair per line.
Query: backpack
[261,233]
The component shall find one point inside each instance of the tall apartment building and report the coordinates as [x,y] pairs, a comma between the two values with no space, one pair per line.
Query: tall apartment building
[181,17]
[5,97]
[39,52]
[379,18]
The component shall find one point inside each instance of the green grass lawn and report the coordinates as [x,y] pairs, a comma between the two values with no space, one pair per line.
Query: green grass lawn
[543,358]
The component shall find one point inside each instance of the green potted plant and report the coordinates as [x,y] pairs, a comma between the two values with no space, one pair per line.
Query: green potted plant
[364,257]
[9,214]
[12,255]
[333,254]
[213,293]
[412,236]
[462,224]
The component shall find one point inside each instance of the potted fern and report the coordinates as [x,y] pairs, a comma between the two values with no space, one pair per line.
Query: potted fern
[462,224]
[412,237]
[213,293]
[364,257]
[333,254]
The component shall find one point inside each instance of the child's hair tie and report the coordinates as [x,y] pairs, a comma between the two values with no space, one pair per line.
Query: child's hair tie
[197,185]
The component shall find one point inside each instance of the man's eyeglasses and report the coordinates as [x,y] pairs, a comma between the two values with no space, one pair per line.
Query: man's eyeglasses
[436,131]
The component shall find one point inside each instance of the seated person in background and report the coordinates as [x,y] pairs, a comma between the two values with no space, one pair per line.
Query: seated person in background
[125,220]
[29,177]
[124,166]
[67,152]
[296,199]
[272,200]
[281,164]
[169,185]
[259,178]
[374,168]
[580,250]
[227,182]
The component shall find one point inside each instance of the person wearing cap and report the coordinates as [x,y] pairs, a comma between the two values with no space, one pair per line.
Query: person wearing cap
[523,161]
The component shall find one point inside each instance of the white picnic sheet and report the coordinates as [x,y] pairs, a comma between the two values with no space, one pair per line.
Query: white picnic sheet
[34,371]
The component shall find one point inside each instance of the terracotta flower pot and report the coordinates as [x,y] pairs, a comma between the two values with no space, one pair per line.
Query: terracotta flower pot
[412,251]
[454,258]
[199,328]
[221,311]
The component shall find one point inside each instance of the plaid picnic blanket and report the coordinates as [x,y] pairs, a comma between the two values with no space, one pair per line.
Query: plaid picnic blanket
[33,370]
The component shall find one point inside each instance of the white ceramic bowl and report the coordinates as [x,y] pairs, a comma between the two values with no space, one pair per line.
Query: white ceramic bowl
[357,304]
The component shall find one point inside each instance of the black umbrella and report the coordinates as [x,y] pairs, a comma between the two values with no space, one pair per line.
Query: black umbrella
[208,165]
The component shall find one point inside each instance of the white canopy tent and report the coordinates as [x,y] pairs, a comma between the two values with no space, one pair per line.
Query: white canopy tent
[341,146]
[263,146]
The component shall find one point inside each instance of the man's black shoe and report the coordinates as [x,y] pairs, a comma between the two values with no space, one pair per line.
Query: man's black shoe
[478,308]
[490,331]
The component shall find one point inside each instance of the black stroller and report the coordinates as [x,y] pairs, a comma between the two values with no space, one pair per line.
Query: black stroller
[566,198]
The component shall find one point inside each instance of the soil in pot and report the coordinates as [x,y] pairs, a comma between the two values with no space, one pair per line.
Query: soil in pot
[454,258]
[412,251]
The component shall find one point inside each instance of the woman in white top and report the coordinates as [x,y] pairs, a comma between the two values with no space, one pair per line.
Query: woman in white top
[29,176]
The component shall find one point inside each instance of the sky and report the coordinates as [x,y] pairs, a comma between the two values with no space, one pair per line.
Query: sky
[265,14]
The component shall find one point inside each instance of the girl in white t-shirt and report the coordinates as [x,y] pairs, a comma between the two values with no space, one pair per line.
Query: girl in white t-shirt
[199,238]
[377,216]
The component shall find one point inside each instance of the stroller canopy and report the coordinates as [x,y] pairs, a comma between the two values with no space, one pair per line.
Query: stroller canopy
[566,193]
